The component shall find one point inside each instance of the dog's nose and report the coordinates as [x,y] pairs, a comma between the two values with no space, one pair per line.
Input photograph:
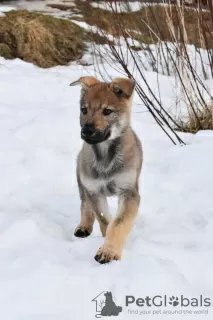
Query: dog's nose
[88,130]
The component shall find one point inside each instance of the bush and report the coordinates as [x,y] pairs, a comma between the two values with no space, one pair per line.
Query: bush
[172,28]
[202,119]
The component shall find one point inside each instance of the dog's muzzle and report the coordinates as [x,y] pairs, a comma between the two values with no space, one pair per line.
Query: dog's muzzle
[92,135]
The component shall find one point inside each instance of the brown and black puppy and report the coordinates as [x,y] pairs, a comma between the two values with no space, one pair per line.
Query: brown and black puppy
[109,162]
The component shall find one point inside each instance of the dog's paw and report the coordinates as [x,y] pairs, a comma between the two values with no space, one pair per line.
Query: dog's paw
[105,255]
[82,232]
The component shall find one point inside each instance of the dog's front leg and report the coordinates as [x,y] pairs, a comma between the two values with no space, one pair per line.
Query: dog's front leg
[119,228]
[92,205]
[85,227]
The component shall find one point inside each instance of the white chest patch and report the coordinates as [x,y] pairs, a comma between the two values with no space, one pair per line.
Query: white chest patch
[124,180]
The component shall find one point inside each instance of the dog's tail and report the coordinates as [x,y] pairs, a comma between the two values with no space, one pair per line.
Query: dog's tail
[119,309]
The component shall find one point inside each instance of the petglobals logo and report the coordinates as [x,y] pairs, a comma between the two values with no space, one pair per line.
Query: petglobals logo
[105,305]
[168,301]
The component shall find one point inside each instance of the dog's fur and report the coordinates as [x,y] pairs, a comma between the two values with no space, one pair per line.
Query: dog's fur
[110,164]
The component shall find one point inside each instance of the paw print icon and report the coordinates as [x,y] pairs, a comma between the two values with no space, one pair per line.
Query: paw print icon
[173,301]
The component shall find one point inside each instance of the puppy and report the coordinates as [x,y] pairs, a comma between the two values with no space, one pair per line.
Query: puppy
[109,162]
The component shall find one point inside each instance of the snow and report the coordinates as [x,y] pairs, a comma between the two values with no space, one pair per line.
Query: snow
[133,6]
[39,6]
[45,272]
[82,24]
[120,6]
[36,5]
[5,8]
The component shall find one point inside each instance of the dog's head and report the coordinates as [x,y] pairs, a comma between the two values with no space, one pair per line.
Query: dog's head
[105,108]
[108,295]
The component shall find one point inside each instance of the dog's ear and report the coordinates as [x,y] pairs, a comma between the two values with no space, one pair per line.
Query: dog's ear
[85,82]
[122,87]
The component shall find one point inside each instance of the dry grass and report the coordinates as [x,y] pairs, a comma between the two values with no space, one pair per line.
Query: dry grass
[43,40]
[5,51]
[147,25]
[194,122]
[180,26]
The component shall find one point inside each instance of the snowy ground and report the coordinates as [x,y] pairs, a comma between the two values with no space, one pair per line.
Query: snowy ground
[38,6]
[121,6]
[48,274]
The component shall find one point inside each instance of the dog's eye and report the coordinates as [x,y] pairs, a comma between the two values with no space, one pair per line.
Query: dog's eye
[84,110]
[119,92]
[107,112]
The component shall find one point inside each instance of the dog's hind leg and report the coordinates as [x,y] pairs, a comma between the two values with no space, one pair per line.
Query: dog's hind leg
[119,228]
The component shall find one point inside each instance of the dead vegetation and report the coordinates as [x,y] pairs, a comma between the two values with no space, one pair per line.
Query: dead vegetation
[142,25]
[172,28]
[193,122]
[148,25]
[47,41]
[43,40]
